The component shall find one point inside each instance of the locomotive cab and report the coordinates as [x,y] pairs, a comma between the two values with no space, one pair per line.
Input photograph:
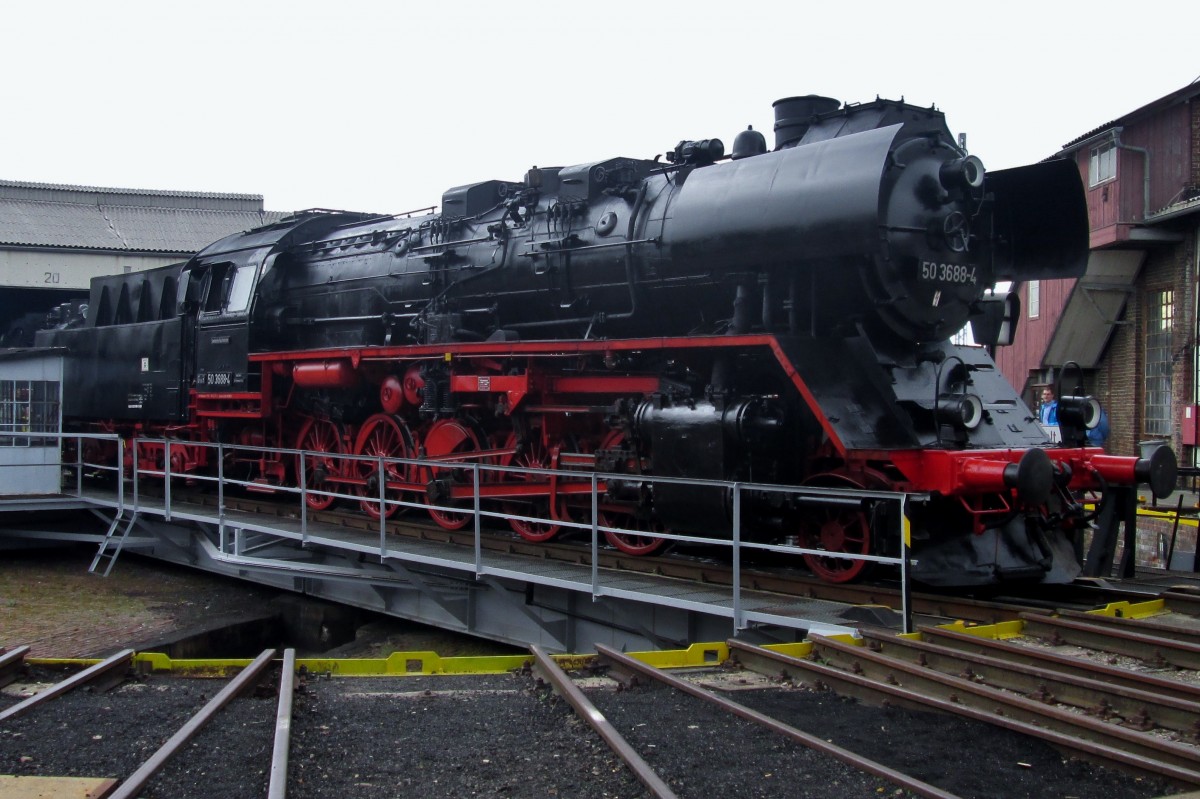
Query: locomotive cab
[220,289]
[222,294]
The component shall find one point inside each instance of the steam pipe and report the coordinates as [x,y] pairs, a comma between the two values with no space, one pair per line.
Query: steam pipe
[1196,333]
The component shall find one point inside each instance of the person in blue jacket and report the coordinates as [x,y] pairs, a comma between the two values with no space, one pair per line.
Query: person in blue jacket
[1048,412]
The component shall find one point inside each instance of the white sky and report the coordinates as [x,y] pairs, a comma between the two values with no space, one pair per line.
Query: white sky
[380,106]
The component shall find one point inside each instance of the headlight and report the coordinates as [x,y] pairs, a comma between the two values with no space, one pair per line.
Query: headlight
[1079,412]
[960,410]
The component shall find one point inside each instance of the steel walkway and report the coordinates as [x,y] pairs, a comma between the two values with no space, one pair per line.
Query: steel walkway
[317,551]
[504,596]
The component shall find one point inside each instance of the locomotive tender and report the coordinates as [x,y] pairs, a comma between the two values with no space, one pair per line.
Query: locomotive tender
[780,316]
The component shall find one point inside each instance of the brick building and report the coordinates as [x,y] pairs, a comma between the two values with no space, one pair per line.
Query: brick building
[1130,323]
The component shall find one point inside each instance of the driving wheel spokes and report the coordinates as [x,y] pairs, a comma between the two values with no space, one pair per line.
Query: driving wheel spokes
[532,456]
[321,439]
[382,436]
[630,542]
[836,529]
[625,460]
[446,438]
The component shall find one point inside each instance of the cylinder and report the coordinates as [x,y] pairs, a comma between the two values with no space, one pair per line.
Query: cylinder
[325,374]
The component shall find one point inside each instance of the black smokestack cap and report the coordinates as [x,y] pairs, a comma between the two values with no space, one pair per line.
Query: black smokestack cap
[793,115]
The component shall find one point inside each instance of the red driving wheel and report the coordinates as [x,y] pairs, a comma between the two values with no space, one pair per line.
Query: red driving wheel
[836,529]
[382,436]
[629,542]
[321,439]
[532,456]
[448,437]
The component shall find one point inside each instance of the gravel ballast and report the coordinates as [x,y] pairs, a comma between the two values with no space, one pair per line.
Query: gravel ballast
[447,737]
[700,750]
[971,759]
[82,734]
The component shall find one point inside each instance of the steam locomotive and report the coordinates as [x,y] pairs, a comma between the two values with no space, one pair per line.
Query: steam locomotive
[776,316]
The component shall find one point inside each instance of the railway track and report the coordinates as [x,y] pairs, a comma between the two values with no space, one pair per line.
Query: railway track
[1054,679]
[729,725]
[858,774]
[889,751]
[119,744]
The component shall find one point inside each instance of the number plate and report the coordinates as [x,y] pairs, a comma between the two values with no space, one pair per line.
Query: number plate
[938,272]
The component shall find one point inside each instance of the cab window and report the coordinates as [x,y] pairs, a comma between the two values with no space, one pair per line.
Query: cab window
[228,288]
[240,290]
[216,286]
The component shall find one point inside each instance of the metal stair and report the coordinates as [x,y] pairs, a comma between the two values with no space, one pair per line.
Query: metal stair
[111,544]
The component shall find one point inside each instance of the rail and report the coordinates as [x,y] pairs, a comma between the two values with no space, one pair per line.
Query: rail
[118,663]
[858,672]
[546,667]
[246,678]
[473,487]
[903,782]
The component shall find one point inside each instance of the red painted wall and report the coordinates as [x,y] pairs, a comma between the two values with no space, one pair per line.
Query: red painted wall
[1115,206]
[1023,358]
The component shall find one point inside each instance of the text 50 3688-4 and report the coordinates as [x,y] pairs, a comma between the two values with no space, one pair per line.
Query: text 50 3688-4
[947,273]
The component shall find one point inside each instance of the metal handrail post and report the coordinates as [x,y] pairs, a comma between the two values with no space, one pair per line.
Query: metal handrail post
[478,519]
[738,621]
[595,539]
[121,476]
[382,510]
[166,480]
[133,458]
[79,466]
[905,565]
[221,492]
[303,502]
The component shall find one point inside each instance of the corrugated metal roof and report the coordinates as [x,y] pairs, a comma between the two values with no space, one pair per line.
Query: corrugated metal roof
[1179,95]
[1091,134]
[181,229]
[14,185]
[131,228]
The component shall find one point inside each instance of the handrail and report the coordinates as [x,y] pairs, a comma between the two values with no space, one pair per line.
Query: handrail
[479,477]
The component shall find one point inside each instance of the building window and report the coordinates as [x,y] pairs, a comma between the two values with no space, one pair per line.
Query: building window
[28,406]
[1035,298]
[1104,164]
[1160,319]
